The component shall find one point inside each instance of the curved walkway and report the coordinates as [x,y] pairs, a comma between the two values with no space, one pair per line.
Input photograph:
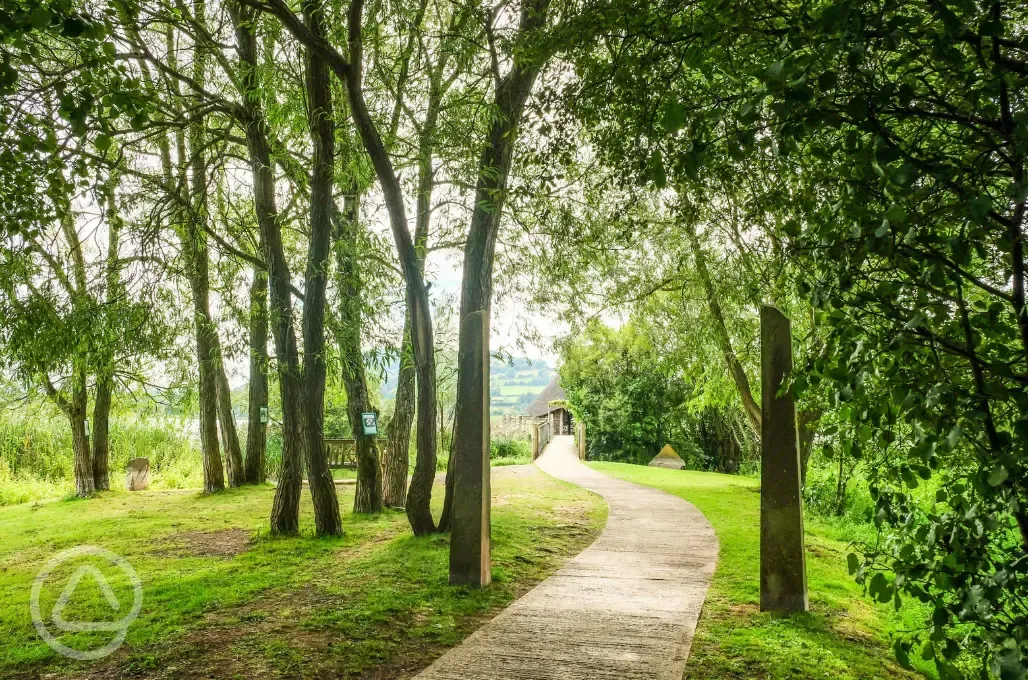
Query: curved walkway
[625,608]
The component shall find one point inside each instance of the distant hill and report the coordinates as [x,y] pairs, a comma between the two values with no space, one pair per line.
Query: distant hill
[512,385]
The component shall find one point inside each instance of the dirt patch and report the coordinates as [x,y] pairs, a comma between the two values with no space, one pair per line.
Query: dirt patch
[221,543]
[743,610]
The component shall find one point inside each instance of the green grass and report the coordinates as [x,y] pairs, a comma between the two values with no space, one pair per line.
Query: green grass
[222,599]
[844,637]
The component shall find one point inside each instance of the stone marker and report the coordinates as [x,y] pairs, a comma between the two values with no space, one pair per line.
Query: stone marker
[783,571]
[470,549]
[137,474]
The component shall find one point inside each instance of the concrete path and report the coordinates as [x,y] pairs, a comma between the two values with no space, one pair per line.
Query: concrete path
[626,608]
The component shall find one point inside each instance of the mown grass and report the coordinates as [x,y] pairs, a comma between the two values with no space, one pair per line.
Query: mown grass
[844,637]
[222,599]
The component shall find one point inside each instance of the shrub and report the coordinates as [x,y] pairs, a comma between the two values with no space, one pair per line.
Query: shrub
[508,451]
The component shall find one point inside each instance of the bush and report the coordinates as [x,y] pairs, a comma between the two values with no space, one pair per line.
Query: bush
[507,451]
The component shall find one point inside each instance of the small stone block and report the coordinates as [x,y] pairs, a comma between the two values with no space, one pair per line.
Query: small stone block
[137,474]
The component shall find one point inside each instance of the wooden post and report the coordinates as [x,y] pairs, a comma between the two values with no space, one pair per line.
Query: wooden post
[535,441]
[470,549]
[581,441]
[783,573]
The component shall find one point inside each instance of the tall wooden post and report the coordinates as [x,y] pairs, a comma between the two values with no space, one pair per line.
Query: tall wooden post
[470,549]
[783,573]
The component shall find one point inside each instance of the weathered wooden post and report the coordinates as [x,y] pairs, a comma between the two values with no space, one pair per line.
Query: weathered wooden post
[470,549]
[535,441]
[581,441]
[783,572]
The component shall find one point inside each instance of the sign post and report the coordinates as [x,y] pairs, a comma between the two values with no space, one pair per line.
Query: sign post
[369,422]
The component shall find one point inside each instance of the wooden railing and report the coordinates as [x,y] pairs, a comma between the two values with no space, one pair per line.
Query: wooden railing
[540,436]
[342,453]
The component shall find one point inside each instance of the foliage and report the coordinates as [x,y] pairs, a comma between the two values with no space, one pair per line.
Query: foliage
[65,51]
[634,398]
[36,461]
[509,451]
[879,147]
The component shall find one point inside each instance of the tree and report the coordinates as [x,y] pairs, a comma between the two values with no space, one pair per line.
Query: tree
[887,144]
[632,399]
[61,320]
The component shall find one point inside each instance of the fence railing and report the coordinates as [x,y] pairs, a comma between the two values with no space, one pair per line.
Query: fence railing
[342,453]
[540,436]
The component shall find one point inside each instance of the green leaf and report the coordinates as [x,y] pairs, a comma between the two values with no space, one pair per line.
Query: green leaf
[998,476]
[899,648]
[40,17]
[673,118]
[980,206]
[896,214]
[853,562]
[655,166]
[103,142]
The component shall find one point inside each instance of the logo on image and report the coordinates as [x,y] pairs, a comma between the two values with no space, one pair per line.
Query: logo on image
[87,570]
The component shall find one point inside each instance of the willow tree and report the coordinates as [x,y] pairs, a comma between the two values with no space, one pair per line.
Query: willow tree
[64,320]
[349,70]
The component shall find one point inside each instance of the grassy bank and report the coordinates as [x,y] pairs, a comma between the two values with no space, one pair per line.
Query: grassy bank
[224,600]
[844,637]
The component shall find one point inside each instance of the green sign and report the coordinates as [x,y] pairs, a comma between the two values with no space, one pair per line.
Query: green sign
[264,414]
[370,423]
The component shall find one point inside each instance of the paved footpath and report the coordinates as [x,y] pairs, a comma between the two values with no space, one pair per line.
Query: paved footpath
[625,608]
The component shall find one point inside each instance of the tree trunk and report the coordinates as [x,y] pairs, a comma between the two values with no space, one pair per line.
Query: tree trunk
[327,520]
[84,485]
[113,292]
[397,453]
[446,518]
[512,94]
[742,383]
[257,431]
[368,494]
[806,422]
[285,511]
[101,429]
[76,410]
[197,264]
[227,423]
[419,497]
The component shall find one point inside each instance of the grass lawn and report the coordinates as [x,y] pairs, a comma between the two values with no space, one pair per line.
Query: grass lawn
[844,637]
[222,599]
